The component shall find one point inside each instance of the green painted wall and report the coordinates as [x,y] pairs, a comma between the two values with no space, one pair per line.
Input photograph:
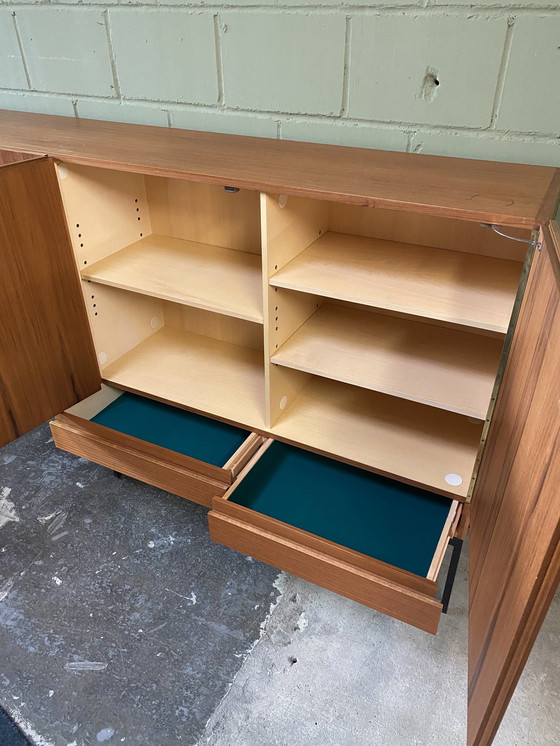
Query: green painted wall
[478,79]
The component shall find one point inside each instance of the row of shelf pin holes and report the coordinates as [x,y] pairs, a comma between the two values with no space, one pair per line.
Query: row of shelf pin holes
[85,262]
[283,203]
[138,216]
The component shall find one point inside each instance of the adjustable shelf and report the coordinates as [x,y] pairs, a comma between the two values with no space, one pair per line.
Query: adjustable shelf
[197,372]
[434,365]
[423,445]
[465,289]
[200,275]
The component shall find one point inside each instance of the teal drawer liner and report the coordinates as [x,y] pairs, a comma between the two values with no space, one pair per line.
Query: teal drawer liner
[384,519]
[185,432]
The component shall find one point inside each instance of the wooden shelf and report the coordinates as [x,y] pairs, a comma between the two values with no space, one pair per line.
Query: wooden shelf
[441,367]
[195,274]
[465,289]
[419,444]
[198,372]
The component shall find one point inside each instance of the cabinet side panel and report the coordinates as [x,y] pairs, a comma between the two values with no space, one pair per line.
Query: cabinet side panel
[515,526]
[106,210]
[47,361]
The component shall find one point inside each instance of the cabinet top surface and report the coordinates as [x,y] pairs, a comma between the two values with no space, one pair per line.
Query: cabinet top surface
[504,193]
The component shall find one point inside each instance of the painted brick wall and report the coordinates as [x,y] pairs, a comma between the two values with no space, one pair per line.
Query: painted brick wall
[478,79]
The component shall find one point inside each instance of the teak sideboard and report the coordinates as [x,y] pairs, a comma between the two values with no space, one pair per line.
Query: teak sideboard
[348,355]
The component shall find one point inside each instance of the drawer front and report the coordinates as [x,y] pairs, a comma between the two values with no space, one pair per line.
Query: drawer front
[100,445]
[168,469]
[388,588]
[325,569]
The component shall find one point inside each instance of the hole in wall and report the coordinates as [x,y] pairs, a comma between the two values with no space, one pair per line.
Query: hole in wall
[429,85]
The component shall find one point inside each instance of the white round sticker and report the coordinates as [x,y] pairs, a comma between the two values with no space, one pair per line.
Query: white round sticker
[454,479]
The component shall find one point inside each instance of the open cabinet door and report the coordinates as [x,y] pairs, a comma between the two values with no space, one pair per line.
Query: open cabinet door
[515,529]
[14,156]
[47,360]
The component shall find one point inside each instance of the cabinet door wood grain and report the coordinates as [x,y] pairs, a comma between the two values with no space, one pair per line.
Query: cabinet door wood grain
[515,553]
[14,156]
[47,360]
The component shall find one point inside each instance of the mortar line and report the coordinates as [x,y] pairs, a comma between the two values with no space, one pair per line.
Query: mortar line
[20,45]
[419,7]
[382,124]
[169,118]
[501,81]
[75,107]
[219,59]
[116,83]
[279,129]
[346,72]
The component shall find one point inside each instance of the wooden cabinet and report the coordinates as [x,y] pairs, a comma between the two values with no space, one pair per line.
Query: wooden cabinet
[335,349]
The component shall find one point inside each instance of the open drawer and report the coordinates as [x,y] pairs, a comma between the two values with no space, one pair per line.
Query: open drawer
[182,452]
[373,540]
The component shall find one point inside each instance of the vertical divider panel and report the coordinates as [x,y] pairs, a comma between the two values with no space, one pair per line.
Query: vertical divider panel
[288,225]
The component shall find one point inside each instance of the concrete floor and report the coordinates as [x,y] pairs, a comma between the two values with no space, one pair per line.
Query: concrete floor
[120,622]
